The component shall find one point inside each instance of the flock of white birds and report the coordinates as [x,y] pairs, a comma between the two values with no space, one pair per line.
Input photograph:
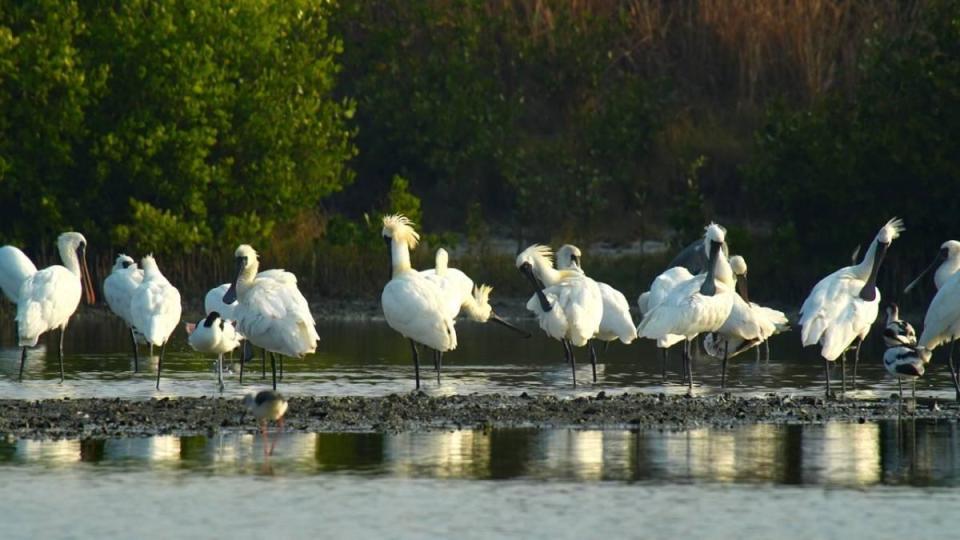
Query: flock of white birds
[704,292]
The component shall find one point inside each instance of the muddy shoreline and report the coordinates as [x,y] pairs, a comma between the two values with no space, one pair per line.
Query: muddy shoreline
[103,418]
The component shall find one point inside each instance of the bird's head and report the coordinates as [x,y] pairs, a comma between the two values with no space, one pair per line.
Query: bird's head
[398,227]
[568,256]
[246,263]
[123,262]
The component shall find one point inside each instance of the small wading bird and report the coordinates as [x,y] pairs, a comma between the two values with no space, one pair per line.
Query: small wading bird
[413,305]
[214,335]
[568,304]
[459,293]
[897,332]
[616,322]
[842,306]
[271,312]
[941,324]
[46,299]
[155,308]
[697,305]
[906,362]
[118,289]
[266,406]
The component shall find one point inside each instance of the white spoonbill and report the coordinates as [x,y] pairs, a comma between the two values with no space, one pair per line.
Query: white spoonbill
[616,322]
[118,289]
[214,335]
[700,304]
[47,298]
[947,264]
[461,294]
[412,304]
[842,306]
[567,303]
[155,308]
[897,332]
[906,362]
[271,312]
[734,338]
[941,324]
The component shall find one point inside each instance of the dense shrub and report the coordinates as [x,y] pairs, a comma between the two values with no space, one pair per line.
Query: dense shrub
[167,124]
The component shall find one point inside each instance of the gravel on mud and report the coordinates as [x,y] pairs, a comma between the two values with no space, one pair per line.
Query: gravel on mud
[102,418]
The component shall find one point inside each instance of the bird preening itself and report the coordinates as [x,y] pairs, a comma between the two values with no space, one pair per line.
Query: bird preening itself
[412,304]
[842,307]
[568,304]
[699,304]
[155,308]
[118,289]
[46,299]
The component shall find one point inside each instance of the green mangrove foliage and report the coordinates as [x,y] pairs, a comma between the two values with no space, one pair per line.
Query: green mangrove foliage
[161,124]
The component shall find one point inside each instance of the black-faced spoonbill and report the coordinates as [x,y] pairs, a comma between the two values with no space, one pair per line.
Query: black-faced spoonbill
[118,289]
[412,304]
[941,324]
[568,304]
[271,312]
[46,299]
[842,306]
[700,304]
[616,322]
[155,308]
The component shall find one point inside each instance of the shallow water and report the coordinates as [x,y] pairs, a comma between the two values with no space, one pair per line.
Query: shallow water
[367,358]
[886,479]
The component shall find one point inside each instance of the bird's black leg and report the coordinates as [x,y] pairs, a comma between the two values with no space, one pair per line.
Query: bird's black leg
[60,351]
[723,369]
[766,346]
[593,360]
[273,368]
[663,364]
[438,360]
[220,371]
[160,363]
[953,370]
[573,362]
[280,360]
[856,361]
[758,353]
[843,373]
[23,359]
[136,353]
[689,367]
[416,362]
[826,371]
[900,387]
[263,363]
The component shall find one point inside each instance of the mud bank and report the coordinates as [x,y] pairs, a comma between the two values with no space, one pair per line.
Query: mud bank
[72,418]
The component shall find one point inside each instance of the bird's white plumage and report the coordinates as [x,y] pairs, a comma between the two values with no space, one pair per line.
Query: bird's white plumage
[458,291]
[414,307]
[271,312]
[950,265]
[941,324]
[575,299]
[214,335]
[661,287]
[15,268]
[213,302]
[906,362]
[897,332]
[616,322]
[685,311]
[834,314]
[119,286]
[47,298]
[155,306]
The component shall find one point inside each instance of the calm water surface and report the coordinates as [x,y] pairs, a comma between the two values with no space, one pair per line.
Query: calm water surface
[367,358]
[886,479]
